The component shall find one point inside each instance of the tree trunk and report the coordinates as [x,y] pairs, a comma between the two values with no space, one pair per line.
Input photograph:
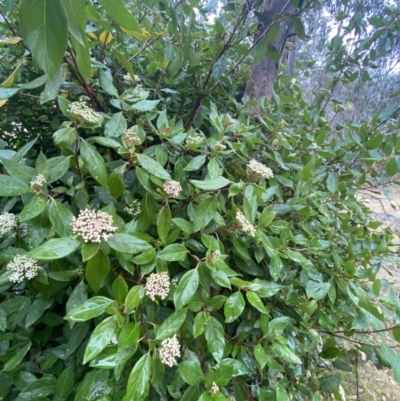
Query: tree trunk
[264,74]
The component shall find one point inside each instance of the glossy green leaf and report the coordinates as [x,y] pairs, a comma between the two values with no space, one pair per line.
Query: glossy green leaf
[44,27]
[186,289]
[211,185]
[120,289]
[126,243]
[97,270]
[164,220]
[191,372]
[56,248]
[171,324]
[89,309]
[133,298]
[138,378]
[94,163]
[173,253]
[61,218]
[234,307]
[33,208]
[12,186]
[214,333]
[153,167]
[65,384]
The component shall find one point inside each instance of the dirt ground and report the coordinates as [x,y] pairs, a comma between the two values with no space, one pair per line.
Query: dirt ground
[379,384]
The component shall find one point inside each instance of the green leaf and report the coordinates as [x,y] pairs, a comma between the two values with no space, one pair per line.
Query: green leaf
[317,290]
[139,379]
[214,333]
[116,125]
[211,185]
[44,27]
[55,248]
[173,253]
[331,182]
[38,389]
[12,186]
[191,372]
[89,249]
[266,218]
[97,270]
[126,243]
[120,289]
[388,111]
[33,208]
[273,53]
[164,220]
[89,309]
[191,394]
[186,289]
[61,218]
[133,298]
[286,353]
[218,68]
[184,225]
[223,374]
[260,355]
[65,137]
[196,163]
[116,10]
[94,163]
[64,384]
[125,62]
[171,325]
[53,85]
[129,335]
[255,301]
[329,383]
[76,16]
[205,212]
[153,167]
[6,93]
[100,338]
[18,170]
[17,358]
[145,105]
[299,31]
[55,168]
[391,167]
[390,355]
[233,307]
[281,394]
[82,57]
[106,82]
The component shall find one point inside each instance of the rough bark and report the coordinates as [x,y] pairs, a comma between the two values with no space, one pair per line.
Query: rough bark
[264,74]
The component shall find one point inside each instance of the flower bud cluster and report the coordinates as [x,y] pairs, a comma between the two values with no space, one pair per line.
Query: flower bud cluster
[172,188]
[93,225]
[169,351]
[214,388]
[131,138]
[219,146]
[38,182]
[194,140]
[129,80]
[23,268]
[7,223]
[258,170]
[228,120]
[114,340]
[158,284]
[82,113]
[138,91]
[215,256]
[133,208]
[244,224]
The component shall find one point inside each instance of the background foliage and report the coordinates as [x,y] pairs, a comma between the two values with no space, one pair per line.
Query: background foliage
[268,316]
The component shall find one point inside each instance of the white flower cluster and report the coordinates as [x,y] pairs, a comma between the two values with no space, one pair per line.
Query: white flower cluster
[215,255]
[38,182]
[93,225]
[23,268]
[138,91]
[214,388]
[131,138]
[258,170]
[133,208]
[7,223]
[194,140]
[244,224]
[228,120]
[129,80]
[157,284]
[82,112]
[172,188]
[169,351]
[219,146]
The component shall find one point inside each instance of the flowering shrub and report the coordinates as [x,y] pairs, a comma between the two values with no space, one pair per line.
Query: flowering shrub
[217,252]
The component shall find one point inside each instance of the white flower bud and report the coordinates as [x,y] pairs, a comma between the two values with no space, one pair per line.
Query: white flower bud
[38,182]
[214,388]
